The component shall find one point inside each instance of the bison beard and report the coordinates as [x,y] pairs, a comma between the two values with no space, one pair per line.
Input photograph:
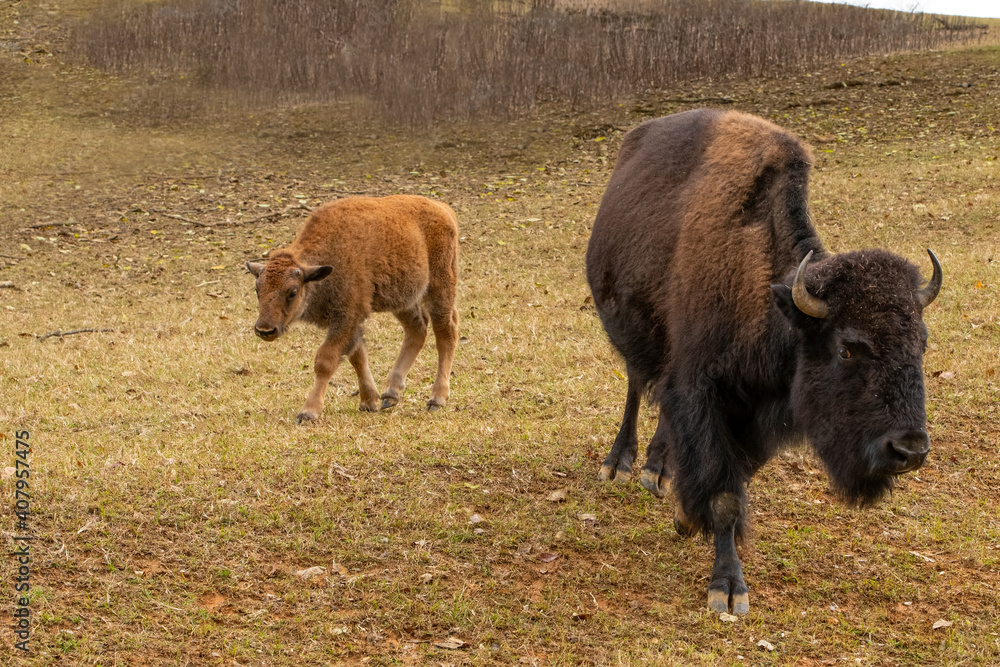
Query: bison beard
[712,283]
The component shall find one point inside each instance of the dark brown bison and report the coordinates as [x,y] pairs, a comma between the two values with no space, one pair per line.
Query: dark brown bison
[361,255]
[711,282]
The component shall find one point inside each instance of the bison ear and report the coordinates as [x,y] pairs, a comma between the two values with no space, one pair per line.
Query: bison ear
[255,268]
[316,273]
[785,302]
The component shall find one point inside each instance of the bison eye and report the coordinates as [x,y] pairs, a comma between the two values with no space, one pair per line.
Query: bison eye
[845,353]
[291,295]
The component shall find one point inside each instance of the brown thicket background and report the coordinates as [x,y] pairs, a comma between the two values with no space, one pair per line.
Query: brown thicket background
[418,61]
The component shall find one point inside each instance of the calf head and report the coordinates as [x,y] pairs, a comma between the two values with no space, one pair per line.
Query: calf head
[858,391]
[281,287]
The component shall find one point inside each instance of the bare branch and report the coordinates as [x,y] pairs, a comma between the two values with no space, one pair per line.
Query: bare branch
[60,334]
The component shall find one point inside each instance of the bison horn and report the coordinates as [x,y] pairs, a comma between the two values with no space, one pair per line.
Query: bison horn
[929,292]
[804,301]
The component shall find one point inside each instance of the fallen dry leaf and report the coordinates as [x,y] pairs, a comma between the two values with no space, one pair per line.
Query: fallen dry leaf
[927,559]
[451,643]
[7,473]
[766,645]
[941,623]
[728,618]
[557,496]
[475,518]
[311,572]
[547,557]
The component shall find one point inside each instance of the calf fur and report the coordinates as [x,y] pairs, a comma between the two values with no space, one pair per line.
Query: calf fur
[357,256]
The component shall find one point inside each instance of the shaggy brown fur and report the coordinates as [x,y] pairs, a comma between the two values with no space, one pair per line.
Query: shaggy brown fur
[357,256]
[691,262]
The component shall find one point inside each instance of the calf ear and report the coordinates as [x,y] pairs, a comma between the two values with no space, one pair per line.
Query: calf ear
[316,273]
[786,304]
[255,268]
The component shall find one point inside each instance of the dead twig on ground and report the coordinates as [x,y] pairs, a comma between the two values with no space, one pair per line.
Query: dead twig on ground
[182,218]
[272,214]
[52,224]
[60,334]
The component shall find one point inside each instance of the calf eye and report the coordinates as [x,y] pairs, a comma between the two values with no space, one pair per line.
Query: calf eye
[845,353]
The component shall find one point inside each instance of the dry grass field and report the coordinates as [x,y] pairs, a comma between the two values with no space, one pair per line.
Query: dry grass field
[174,498]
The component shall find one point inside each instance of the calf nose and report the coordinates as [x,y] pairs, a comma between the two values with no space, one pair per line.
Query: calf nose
[266,334]
[907,449]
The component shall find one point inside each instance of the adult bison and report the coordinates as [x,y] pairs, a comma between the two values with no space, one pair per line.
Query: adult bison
[713,285]
[361,255]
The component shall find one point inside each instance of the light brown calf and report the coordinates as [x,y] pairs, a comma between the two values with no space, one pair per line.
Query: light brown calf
[361,255]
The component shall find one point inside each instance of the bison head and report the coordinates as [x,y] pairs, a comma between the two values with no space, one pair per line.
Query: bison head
[858,390]
[281,286]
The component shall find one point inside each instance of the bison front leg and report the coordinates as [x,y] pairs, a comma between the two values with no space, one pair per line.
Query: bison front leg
[728,591]
[618,463]
[327,359]
[366,383]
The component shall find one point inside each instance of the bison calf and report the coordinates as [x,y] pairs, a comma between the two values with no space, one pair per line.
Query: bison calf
[361,255]
[749,335]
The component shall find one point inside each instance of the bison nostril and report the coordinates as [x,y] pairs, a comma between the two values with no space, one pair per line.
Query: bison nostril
[907,449]
[265,333]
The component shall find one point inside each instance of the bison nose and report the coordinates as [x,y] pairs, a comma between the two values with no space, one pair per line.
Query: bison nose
[266,334]
[906,449]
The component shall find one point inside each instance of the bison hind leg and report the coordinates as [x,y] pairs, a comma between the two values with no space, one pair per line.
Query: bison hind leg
[444,319]
[617,465]
[414,321]
[656,473]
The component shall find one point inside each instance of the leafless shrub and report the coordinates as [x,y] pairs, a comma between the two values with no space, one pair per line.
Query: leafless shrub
[417,61]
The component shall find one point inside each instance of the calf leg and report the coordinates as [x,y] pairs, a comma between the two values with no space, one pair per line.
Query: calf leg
[414,321]
[366,383]
[445,324]
[618,463]
[327,359]
[728,591]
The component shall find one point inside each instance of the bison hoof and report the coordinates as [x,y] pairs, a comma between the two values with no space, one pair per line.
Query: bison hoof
[682,528]
[721,602]
[389,402]
[305,416]
[655,483]
[369,407]
[607,473]
[433,405]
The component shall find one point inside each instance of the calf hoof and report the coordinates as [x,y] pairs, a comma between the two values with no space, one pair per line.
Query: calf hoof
[389,402]
[720,602]
[607,473]
[655,483]
[434,405]
[369,406]
[305,417]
